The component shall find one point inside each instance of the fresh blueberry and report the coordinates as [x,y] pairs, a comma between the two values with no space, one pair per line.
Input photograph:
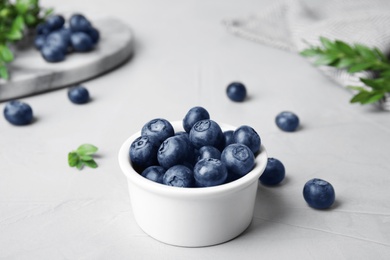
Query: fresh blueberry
[42,29]
[18,113]
[143,152]
[209,172]
[52,54]
[78,95]
[238,158]
[319,194]
[159,127]
[79,23]
[39,41]
[208,152]
[248,136]
[174,150]
[229,137]
[154,173]
[94,34]
[81,42]
[236,91]
[194,115]
[287,121]
[207,133]
[55,22]
[58,40]
[179,176]
[274,172]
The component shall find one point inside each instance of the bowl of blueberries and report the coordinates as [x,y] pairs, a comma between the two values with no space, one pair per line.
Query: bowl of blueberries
[193,182]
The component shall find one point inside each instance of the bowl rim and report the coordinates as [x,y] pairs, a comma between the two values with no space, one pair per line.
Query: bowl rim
[196,192]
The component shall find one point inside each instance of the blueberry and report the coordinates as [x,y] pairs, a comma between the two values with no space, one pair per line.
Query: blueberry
[42,29]
[94,34]
[174,150]
[79,23]
[236,91]
[287,121]
[154,173]
[229,137]
[274,172]
[159,127]
[319,194]
[248,136]
[58,40]
[207,133]
[81,42]
[78,95]
[179,176]
[194,115]
[39,41]
[238,158]
[52,54]
[143,152]
[208,152]
[55,22]
[18,113]
[210,172]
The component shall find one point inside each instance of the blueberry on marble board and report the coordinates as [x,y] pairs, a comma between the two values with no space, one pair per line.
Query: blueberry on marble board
[59,40]
[274,172]
[79,23]
[52,53]
[319,193]
[210,172]
[179,176]
[236,91]
[78,95]
[81,42]
[94,34]
[18,113]
[287,121]
[55,22]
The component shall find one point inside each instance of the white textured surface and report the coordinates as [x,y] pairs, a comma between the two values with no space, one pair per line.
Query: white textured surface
[184,57]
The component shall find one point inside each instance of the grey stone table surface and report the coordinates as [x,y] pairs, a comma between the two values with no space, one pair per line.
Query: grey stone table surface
[184,57]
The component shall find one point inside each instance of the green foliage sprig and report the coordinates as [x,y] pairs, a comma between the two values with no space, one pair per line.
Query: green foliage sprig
[16,17]
[83,156]
[355,58]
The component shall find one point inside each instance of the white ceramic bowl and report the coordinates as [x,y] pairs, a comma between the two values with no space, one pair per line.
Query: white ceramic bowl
[192,217]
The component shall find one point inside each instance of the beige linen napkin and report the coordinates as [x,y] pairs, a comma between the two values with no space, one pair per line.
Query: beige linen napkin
[293,24]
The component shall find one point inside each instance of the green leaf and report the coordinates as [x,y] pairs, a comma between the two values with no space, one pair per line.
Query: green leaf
[86,157]
[6,54]
[325,59]
[31,19]
[73,159]
[91,164]
[360,89]
[80,165]
[309,52]
[328,44]
[344,47]
[22,6]
[360,67]
[365,51]
[380,54]
[18,23]
[360,97]
[4,72]
[374,97]
[86,149]
[344,63]
[14,35]
[373,83]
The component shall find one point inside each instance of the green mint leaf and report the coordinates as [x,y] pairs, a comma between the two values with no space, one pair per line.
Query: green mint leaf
[360,67]
[73,159]
[360,97]
[18,23]
[86,157]
[325,59]
[345,48]
[373,83]
[328,44]
[374,97]
[91,164]
[80,165]
[14,35]
[6,54]
[86,149]
[344,63]
[365,52]
[4,72]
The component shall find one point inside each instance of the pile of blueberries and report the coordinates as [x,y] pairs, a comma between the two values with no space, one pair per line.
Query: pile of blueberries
[202,155]
[55,40]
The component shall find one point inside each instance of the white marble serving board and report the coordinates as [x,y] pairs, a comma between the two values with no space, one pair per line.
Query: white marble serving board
[31,74]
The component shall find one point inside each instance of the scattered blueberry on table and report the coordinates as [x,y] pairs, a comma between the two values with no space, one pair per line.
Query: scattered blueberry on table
[236,91]
[78,95]
[319,194]
[274,172]
[18,113]
[55,39]
[287,121]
